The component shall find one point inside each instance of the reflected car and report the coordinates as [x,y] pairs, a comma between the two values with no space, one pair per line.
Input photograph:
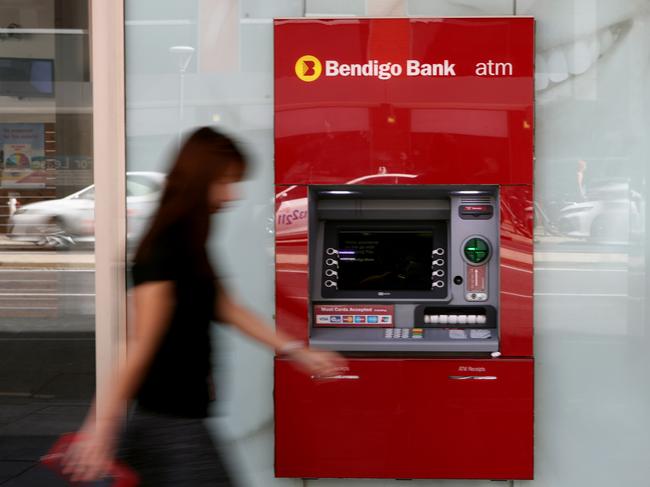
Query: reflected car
[70,221]
[611,213]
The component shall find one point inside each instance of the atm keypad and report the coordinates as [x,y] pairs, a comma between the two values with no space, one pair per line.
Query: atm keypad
[418,334]
[403,333]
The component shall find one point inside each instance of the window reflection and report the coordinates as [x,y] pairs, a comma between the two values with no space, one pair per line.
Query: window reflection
[592,155]
[47,312]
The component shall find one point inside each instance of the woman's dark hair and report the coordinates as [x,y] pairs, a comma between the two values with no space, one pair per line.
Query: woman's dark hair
[205,156]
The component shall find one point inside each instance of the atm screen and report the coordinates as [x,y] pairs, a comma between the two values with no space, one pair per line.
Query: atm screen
[390,260]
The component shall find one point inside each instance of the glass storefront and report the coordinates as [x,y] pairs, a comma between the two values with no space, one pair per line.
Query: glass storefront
[592,151]
[47,311]
[210,62]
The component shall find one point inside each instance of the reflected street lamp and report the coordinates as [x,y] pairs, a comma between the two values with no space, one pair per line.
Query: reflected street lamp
[183,56]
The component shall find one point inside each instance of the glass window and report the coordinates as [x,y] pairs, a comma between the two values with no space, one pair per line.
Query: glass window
[88,194]
[47,308]
[141,185]
[592,150]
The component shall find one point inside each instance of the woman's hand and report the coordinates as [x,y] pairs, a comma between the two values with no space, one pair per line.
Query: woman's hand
[90,456]
[319,363]
[311,361]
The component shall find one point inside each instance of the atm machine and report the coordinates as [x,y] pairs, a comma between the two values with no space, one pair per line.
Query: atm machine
[404,242]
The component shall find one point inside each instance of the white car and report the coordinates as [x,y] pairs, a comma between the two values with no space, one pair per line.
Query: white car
[69,221]
[612,213]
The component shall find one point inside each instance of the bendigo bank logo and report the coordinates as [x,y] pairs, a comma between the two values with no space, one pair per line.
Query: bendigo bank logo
[308,68]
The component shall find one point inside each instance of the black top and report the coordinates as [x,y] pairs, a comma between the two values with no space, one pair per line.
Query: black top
[177,382]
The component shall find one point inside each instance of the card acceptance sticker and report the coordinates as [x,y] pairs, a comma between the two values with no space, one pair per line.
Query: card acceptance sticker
[354,315]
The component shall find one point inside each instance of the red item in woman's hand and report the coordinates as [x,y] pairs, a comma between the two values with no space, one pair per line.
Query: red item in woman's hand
[119,475]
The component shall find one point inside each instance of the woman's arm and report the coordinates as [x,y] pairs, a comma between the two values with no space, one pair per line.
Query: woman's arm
[231,312]
[316,362]
[153,303]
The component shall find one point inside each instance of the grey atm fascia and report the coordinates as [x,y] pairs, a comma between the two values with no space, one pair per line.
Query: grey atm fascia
[412,203]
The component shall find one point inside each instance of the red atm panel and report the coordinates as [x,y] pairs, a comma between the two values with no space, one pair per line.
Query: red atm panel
[447,392]
[461,129]
[291,272]
[411,418]
[516,268]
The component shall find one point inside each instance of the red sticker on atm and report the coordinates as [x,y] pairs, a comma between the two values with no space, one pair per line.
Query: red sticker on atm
[354,315]
[476,278]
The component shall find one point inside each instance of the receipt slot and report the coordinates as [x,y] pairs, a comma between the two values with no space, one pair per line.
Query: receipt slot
[403,240]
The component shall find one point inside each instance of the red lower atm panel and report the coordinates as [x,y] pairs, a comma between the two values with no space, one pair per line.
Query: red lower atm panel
[407,418]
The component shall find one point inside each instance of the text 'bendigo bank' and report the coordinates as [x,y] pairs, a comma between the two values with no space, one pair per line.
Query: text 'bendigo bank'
[412,67]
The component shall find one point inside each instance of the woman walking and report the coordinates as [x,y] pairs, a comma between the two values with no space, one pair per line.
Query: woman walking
[168,371]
